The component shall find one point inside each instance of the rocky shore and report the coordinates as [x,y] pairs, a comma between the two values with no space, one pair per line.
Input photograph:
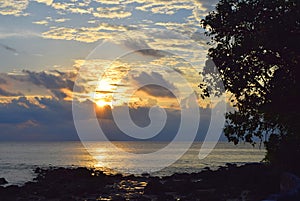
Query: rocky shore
[250,182]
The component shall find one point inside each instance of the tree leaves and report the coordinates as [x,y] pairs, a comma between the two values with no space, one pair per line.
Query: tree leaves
[255,48]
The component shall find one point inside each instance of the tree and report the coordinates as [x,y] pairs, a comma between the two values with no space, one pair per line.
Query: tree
[256,49]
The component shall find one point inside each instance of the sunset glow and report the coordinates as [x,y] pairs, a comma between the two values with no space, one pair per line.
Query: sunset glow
[102,103]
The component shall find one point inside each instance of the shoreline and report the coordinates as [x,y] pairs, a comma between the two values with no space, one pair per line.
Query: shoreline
[254,181]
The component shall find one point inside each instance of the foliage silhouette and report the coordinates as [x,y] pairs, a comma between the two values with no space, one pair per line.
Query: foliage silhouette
[255,46]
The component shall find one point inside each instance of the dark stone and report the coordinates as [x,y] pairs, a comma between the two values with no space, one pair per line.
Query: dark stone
[140,198]
[12,189]
[165,197]
[67,198]
[289,187]
[3,181]
[118,198]
[145,174]
[154,187]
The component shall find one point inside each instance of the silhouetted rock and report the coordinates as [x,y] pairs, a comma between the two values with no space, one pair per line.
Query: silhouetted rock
[118,198]
[155,187]
[226,183]
[289,189]
[3,181]
[165,197]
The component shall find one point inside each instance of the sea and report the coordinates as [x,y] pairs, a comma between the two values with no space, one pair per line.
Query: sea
[18,160]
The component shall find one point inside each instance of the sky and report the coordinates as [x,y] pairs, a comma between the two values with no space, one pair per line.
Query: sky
[106,57]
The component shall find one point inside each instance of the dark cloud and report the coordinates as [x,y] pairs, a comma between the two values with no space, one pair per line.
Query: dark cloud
[200,38]
[119,85]
[54,81]
[7,93]
[50,81]
[152,52]
[59,94]
[157,91]
[153,77]
[140,116]
[135,44]
[160,86]
[50,119]
[10,49]
[3,81]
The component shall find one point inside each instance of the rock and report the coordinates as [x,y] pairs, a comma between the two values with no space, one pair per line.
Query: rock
[154,187]
[145,174]
[289,189]
[289,183]
[118,198]
[67,198]
[12,191]
[140,198]
[3,181]
[165,197]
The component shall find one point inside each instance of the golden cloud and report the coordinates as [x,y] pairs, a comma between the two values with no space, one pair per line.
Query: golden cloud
[111,12]
[47,2]
[42,22]
[109,2]
[83,34]
[60,20]
[12,7]
[79,8]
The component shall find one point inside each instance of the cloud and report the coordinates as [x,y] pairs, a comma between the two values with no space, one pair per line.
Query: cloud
[84,34]
[12,7]
[7,93]
[55,83]
[165,7]
[48,80]
[61,6]
[49,20]
[140,117]
[45,83]
[157,91]
[184,28]
[18,33]
[87,35]
[47,119]
[47,2]
[152,52]
[160,86]
[134,43]
[74,7]
[10,49]
[3,81]
[60,20]
[80,10]
[111,12]
[108,2]
[41,22]
[104,92]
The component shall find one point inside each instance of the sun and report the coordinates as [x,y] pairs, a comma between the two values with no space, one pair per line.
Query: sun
[101,103]
[102,95]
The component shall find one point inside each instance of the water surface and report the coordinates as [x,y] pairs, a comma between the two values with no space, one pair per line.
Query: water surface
[18,160]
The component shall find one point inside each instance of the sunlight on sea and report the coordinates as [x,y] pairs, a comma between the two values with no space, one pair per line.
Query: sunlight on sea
[18,160]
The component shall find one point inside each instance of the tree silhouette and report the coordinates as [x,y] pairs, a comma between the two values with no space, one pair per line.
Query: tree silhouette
[255,46]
